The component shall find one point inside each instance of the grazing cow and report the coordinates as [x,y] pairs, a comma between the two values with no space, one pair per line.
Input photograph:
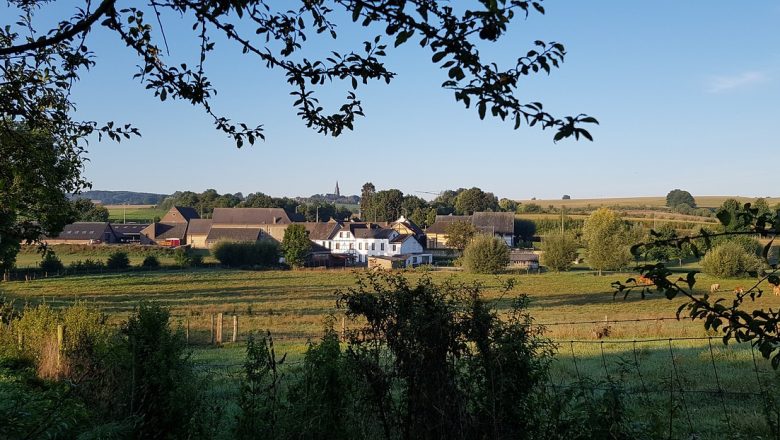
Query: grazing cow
[714,287]
[645,281]
[776,290]
[739,290]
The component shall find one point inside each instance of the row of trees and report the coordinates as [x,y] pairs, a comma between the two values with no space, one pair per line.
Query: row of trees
[206,201]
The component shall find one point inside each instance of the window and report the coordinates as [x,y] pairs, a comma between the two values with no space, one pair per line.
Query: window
[373,246]
[352,245]
[337,246]
[393,248]
[360,246]
[381,246]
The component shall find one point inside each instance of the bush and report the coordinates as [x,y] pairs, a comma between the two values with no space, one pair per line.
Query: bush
[150,262]
[560,250]
[486,254]
[118,261]
[730,259]
[264,253]
[86,266]
[51,263]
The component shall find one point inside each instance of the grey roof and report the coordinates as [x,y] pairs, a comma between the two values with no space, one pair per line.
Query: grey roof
[321,230]
[502,223]
[367,230]
[523,256]
[401,238]
[234,234]
[121,229]
[165,231]
[496,222]
[180,214]
[250,216]
[85,231]
[187,212]
[442,221]
[199,226]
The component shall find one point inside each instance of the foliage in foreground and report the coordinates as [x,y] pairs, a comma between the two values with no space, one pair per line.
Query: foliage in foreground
[136,382]
[427,362]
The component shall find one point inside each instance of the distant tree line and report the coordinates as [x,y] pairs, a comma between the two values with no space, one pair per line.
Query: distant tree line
[121,197]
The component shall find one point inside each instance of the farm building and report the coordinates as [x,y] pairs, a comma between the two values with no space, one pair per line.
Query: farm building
[522,259]
[128,232]
[84,233]
[197,232]
[398,261]
[499,224]
[171,230]
[272,222]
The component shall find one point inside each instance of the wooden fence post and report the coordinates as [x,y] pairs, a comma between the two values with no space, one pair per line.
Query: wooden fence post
[187,330]
[60,342]
[343,328]
[219,328]
[212,329]
[235,328]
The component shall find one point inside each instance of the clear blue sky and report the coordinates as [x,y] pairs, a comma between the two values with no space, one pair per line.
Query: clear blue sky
[686,93]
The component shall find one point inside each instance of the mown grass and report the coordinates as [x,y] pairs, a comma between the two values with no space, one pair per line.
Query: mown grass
[662,384]
[134,213]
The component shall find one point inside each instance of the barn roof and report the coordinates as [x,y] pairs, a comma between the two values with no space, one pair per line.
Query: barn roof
[165,231]
[442,221]
[321,231]
[517,256]
[85,231]
[234,234]
[494,222]
[200,226]
[250,216]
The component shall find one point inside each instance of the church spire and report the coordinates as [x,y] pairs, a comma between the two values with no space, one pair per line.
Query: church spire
[337,192]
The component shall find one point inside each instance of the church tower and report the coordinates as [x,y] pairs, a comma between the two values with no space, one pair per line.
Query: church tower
[337,192]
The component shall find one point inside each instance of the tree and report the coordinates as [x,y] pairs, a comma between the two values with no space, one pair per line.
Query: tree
[507,205]
[730,259]
[366,200]
[296,245]
[559,250]
[524,229]
[566,197]
[677,197]
[733,216]
[475,200]
[86,211]
[36,174]
[275,35]
[118,261]
[459,234]
[486,254]
[606,236]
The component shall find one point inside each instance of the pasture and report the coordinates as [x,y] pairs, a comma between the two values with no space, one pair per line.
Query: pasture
[134,213]
[674,375]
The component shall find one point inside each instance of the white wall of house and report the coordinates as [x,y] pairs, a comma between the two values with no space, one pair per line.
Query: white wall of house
[344,242]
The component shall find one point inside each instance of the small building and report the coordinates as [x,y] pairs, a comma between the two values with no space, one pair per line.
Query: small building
[84,233]
[128,232]
[197,232]
[521,259]
[497,224]
[171,230]
[389,262]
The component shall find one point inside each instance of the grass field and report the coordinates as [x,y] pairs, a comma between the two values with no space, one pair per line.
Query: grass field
[637,354]
[134,213]
[652,202]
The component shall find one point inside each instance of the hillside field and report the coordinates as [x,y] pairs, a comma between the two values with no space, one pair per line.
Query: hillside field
[134,213]
[639,202]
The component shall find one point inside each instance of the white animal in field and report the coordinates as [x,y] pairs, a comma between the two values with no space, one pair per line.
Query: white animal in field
[776,290]
[714,288]
[739,290]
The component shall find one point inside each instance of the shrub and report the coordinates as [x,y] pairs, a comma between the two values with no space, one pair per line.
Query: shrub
[182,257]
[150,262]
[51,263]
[196,260]
[560,250]
[264,253]
[86,265]
[730,259]
[486,254]
[118,261]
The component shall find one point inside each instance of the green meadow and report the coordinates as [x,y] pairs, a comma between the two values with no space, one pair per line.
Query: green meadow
[671,370]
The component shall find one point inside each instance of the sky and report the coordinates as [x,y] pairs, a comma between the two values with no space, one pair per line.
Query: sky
[686,93]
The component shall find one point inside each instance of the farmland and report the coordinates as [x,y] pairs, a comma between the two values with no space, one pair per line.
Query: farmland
[293,304]
[134,213]
[641,202]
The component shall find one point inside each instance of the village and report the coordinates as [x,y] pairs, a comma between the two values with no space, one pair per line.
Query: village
[345,243]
